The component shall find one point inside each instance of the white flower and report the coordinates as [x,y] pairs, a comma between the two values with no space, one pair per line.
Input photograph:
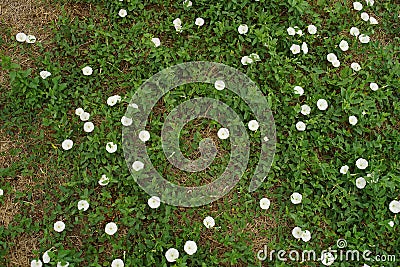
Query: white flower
[299,32]
[266,139]
[301,126]
[295,49]
[126,121]
[111,228]
[156,42]
[304,48]
[59,226]
[369,2]
[344,169]
[30,39]
[312,29]
[172,254]
[223,133]
[331,57]
[178,28]
[298,90]
[336,63]
[104,180]
[297,232]
[84,116]
[88,127]
[364,38]
[296,198]
[265,203]
[394,206]
[87,71]
[67,144]
[190,247]
[199,22]
[246,60]
[361,183]
[59,264]
[187,3]
[322,104]
[219,85]
[353,120]
[122,13]
[133,105]
[361,163]
[154,202]
[391,223]
[344,45]
[177,22]
[209,222]
[111,147]
[253,125]
[354,31]
[306,236]
[327,258]
[243,29]
[364,16]
[254,57]
[112,100]
[291,31]
[44,74]
[355,66]
[305,109]
[46,257]
[144,135]
[117,263]
[373,86]
[373,21]
[20,37]
[36,263]
[137,165]
[357,6]
[1,192]
[83,205]
[79,111]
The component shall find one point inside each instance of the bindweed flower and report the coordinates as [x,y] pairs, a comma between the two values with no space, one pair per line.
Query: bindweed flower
[144,136]
[154,202]
[172,254]
[265,203]
[112,100]
[361,163]
[254,57]
[336,63]
[111,228]
[122,13]
[36,263]
[1,192]
[88,127]
[297,232]
[44,74]
[291,31]
[312,29]
[209,222]
[373,86]
[353,120]
[87,71]
[59,226]
[344,45]
[84,116]
[354,31]
[30,39]
[137,165]
[177,22]
[199,22]
[83,205]
[300,126]
[298,90]
[133,105]
[219,85]
[322,104]
[223,133]
[126,121]
[253,125]
[306,236]
[117,263]
[391,223]
[46,257]
[355,66]
[190,247]
[364,16]
[246,60]
[67,144]
[60,264]
[296,198]
[305,109]
[357,6]
[243,29]
[327,258]
[104,180]
[20,37]
[304,48]
[394,206]
[299,32]
[111,147]
[373,21]
[344,169]
[331,57]
[178,28]
[361,183]
[156,42]
[364,38]
[369,2]
[187,3]
[295,49]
